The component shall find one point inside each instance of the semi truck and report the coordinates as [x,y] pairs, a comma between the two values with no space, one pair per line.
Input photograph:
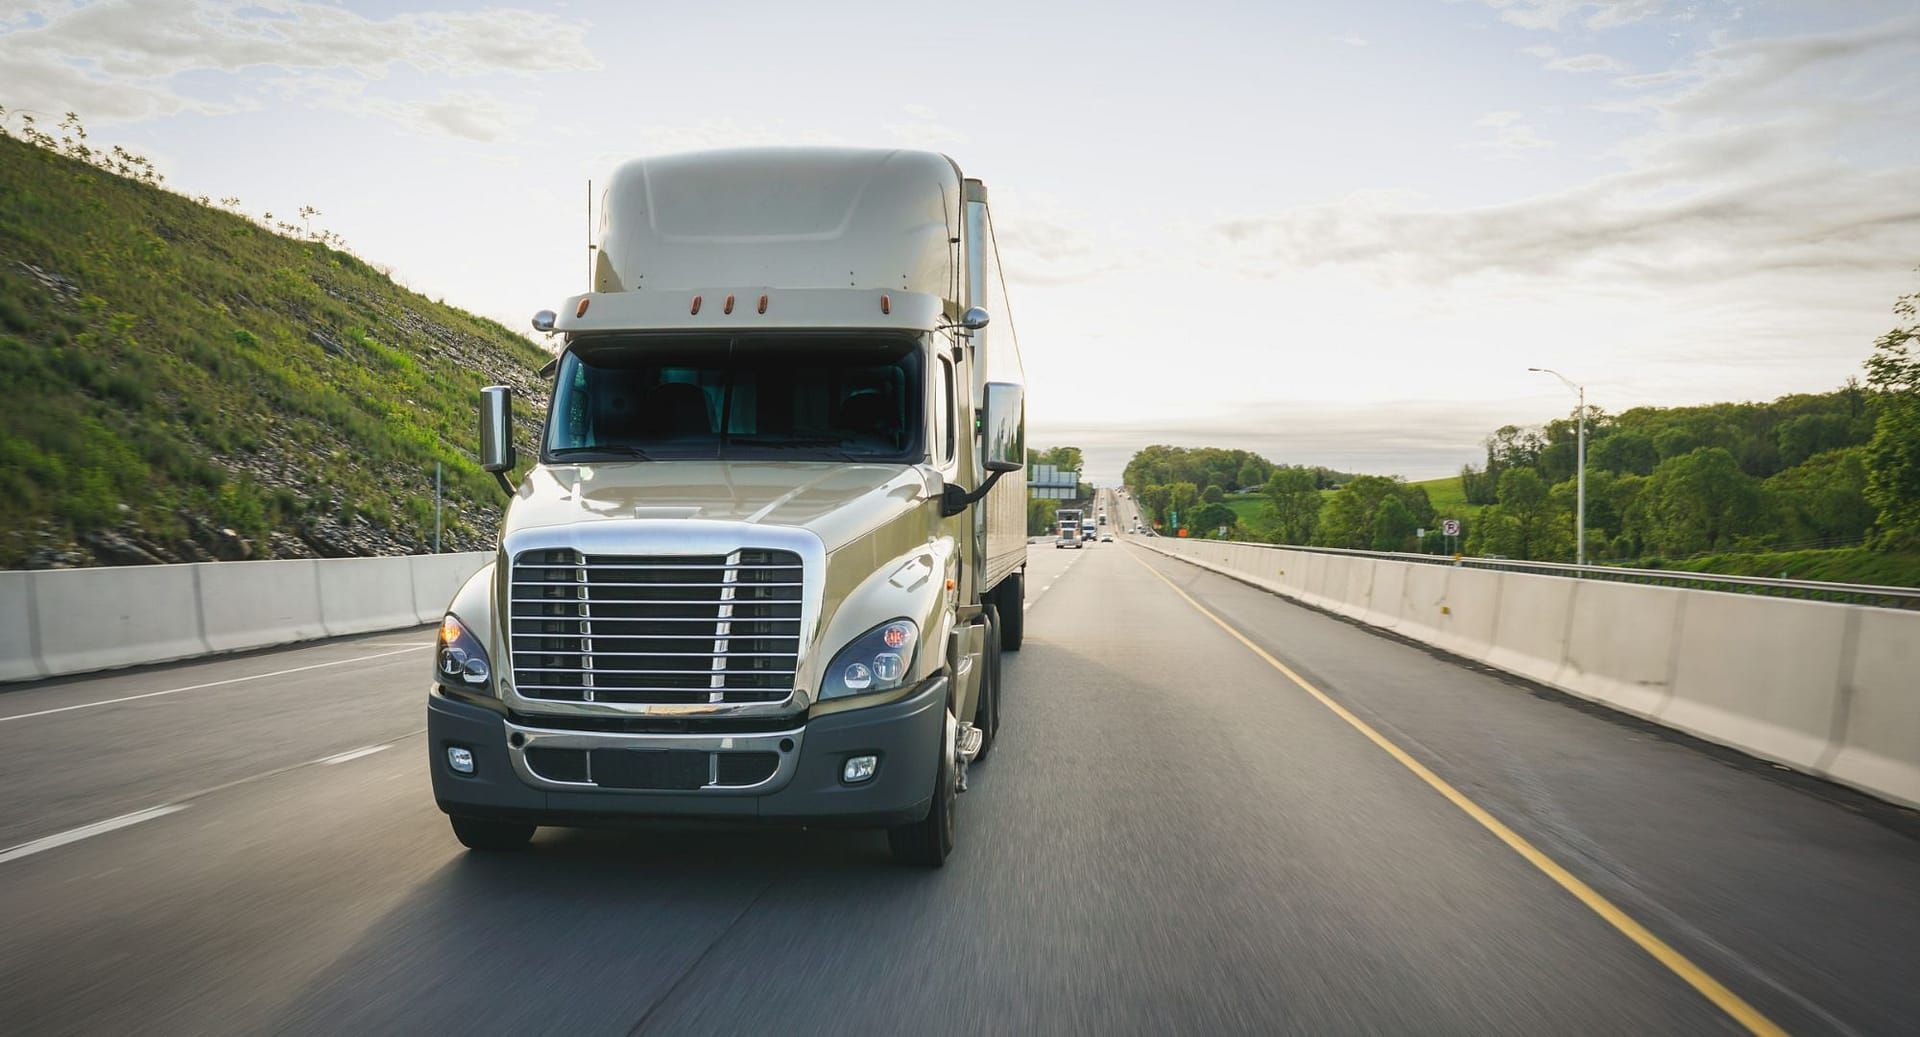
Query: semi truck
[1068,520]
[763,564]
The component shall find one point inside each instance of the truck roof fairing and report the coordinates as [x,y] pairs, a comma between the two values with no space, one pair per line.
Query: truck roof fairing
[789,217]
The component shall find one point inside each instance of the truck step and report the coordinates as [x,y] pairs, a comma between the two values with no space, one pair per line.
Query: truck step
[966,745]
[969,740]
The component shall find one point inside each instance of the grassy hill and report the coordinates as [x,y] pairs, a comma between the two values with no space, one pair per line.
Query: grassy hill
[185,384]
[1449,498]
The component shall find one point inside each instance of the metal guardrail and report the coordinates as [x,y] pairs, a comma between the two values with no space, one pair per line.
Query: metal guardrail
[1806,590]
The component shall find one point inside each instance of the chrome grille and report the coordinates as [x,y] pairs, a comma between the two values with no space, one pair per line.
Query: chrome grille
[655,628]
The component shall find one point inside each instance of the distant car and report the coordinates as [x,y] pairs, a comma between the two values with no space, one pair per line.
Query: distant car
[1087,534]
[1067,540]
[1106,538]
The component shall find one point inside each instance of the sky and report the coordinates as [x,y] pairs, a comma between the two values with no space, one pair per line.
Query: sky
[1336,234]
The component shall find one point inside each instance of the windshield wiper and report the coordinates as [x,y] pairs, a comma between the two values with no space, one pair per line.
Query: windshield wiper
[603,450]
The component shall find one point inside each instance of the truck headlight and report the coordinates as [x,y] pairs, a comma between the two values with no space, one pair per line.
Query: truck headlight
[877,660]
[458,659]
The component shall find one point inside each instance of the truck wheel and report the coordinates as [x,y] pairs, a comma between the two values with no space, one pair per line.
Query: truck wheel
[477,834]
[925,843]
[1011,600]
[986,711]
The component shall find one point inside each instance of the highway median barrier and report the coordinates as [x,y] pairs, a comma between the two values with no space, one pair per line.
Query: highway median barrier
[258,604]
[1824,688]
[18,659]
[360,595]
[1875,747]
[68,621]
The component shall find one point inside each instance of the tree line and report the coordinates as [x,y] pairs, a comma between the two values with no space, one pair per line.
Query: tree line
[1809,470]
[1812,470]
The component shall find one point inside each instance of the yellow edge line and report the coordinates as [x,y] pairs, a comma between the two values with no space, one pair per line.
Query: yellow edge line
[1679,964]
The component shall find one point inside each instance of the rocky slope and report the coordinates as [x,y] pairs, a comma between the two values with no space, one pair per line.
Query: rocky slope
[188,385]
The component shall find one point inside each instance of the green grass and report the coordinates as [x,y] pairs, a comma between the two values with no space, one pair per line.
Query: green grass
[1449,498]
[1249,509]
[166,369]
[1832,565]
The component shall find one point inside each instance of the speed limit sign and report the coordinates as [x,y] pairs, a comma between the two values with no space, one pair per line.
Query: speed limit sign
[1450,527]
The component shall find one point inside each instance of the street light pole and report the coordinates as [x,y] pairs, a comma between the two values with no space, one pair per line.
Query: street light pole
[1580,463]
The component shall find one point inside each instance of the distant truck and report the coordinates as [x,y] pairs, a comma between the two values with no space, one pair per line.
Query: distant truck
[765,563]
[1068,521]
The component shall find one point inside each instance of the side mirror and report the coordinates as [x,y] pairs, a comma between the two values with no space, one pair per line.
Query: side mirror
[496,429]
[975,318]
[543,322]
[1005,446]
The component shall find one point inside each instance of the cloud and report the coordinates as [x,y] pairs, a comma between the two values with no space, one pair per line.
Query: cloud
[1550,14]
[1050,249]
[924,129]
[1556,62]
[1511,133]
[1351,40]
[1760,165]
[1759,75]
[1834,220]
[126,59]
[1584,63]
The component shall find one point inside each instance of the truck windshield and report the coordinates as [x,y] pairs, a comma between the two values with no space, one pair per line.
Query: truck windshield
[786,397]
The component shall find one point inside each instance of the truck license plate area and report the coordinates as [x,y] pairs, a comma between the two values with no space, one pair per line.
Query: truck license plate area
[666,769]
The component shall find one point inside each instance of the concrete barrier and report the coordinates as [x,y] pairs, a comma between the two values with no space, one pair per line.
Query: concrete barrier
[358,595]
[1875,747]
[93,619]
[19,656]
[1760,674]
[1387,603]
[1423,597]
[66,621]
[1530,628]
[256,604]
[1831,690]
[1620,645]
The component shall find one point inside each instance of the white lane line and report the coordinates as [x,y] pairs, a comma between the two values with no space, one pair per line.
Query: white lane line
[74,835]
[209,684]
[353,754]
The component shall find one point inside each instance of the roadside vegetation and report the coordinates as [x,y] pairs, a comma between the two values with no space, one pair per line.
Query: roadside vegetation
[1040,510]
[1820,486]
[187,382]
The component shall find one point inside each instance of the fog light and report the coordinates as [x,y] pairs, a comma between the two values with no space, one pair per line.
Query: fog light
[859,769]
[461,760]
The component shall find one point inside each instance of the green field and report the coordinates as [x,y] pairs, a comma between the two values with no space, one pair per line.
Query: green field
[1249,508]
[1449,498]
[187,384]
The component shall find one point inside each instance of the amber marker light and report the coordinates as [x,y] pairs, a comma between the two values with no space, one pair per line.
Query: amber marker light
[696,305]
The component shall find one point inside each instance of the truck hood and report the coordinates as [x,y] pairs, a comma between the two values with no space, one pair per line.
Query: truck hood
[835,500]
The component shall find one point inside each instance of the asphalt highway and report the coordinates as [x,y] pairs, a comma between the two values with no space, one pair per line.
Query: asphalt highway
[1174,834]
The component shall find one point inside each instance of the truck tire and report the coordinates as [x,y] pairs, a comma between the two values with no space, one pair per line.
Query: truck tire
[986,710]
[927,842]
[478,834]
[1010,598]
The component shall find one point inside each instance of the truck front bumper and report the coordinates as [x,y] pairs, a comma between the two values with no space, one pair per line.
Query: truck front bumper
[510,779]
